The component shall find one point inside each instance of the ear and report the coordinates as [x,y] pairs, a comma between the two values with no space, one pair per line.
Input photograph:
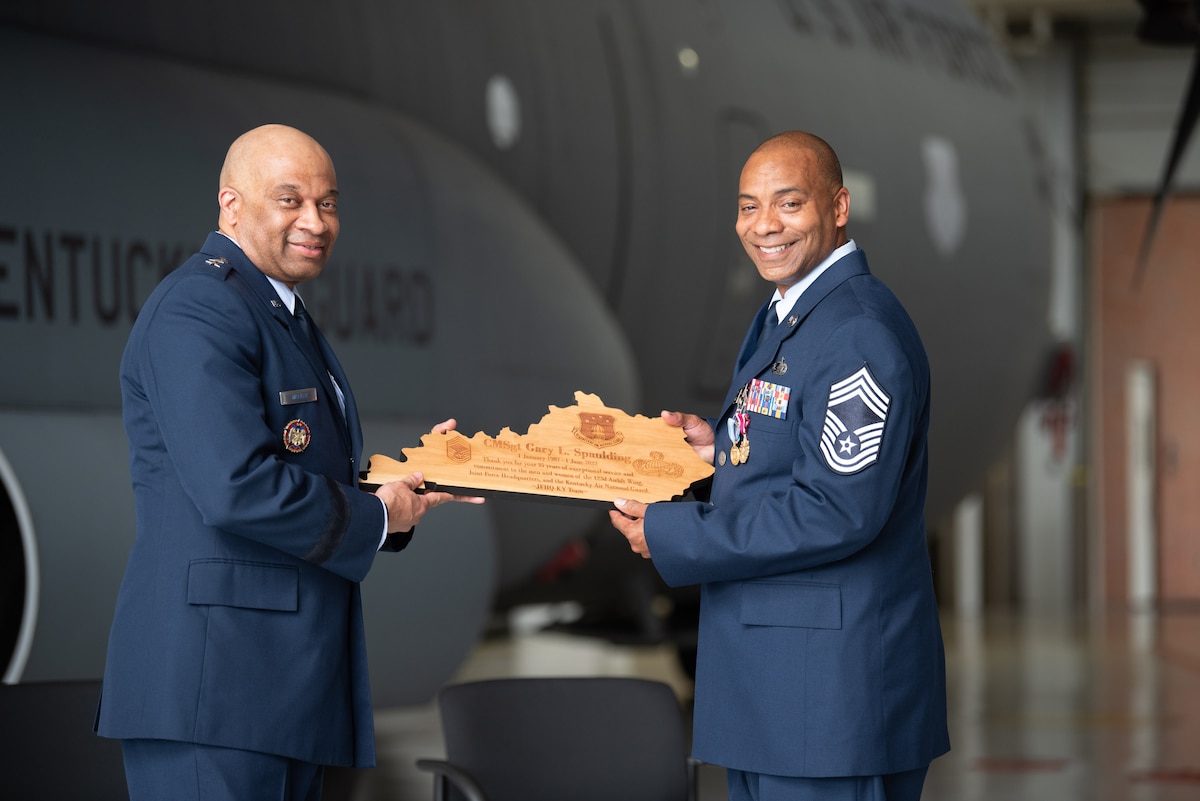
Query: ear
[230,203]
[841,207]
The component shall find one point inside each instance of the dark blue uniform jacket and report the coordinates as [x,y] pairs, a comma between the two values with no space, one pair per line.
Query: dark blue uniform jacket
[238,621]
[820,650]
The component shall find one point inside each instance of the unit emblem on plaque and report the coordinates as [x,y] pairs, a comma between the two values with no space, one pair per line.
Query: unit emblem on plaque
[598,429]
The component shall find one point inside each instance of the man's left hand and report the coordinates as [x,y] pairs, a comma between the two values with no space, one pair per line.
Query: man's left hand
[628,518]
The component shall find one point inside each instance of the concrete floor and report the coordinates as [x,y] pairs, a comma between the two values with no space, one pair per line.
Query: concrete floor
[1045,708]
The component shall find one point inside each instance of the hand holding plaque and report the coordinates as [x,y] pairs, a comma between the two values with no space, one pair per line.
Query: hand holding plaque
[584,453]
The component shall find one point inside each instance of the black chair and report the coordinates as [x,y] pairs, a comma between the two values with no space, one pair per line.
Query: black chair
[583,739]
[47,748]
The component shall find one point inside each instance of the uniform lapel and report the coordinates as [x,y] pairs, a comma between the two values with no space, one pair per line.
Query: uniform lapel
[309,348]
[352,429]
[750,343]
[323,361]
[753,359]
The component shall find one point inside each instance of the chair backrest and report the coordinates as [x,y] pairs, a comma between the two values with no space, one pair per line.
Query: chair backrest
[577,738]
[47,748]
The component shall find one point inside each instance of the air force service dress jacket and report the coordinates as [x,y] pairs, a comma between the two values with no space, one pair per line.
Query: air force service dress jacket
[820,651]
[238,622]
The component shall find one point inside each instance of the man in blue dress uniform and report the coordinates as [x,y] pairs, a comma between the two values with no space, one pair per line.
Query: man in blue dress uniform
[236,663]
[820,672]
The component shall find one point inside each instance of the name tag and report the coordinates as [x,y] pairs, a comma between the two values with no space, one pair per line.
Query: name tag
[293,396]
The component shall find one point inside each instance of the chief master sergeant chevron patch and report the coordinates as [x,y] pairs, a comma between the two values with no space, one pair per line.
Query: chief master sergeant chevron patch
[854,421]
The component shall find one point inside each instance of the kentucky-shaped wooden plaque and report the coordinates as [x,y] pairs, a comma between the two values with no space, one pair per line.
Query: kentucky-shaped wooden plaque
[587,452]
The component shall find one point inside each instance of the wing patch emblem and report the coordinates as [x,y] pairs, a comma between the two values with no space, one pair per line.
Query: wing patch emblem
[854,420]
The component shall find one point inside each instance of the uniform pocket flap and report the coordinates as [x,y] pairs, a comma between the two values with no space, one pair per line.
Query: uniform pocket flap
[789,603]
[246,584]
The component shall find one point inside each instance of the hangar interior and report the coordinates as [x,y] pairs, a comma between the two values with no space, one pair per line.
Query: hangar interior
[1070,581]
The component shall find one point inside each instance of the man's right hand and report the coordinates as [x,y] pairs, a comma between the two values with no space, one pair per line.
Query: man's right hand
[406,507]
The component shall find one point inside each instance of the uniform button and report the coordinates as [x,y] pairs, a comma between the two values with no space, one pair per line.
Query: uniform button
[721,458]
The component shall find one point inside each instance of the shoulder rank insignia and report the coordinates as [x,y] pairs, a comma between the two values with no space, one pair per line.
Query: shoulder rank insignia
[217,262]
[296,436]
[854,420]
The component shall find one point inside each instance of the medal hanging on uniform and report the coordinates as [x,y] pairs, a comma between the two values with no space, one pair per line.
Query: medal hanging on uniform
[739,452]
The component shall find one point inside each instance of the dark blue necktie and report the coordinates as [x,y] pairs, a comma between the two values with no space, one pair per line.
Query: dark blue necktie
[308,329]
[770,323]
[306,326]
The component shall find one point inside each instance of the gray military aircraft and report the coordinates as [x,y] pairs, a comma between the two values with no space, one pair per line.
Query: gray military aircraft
[538,196]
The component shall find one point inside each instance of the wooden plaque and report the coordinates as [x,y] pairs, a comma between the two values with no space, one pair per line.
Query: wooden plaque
[586,453]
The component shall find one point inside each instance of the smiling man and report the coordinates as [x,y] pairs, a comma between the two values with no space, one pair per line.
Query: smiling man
[820,671]
[278,201]
[237,661]
[792,210]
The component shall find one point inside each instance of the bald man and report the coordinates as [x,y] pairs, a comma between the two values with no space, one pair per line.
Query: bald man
[820,671]
[236,662]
